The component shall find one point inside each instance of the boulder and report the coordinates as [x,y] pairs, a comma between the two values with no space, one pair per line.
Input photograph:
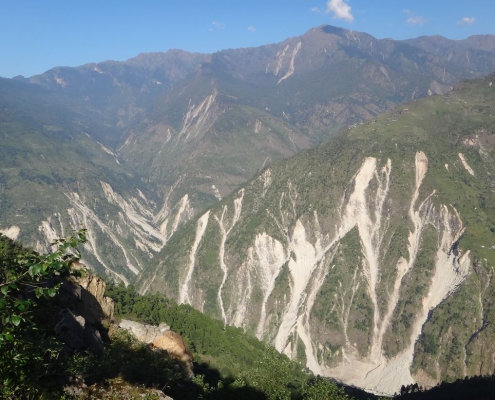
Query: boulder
[174,345]
[143,332]
[77,334]
[163,339]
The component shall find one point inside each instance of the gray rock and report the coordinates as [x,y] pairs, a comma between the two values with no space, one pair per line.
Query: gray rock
[77,334]
[143,332]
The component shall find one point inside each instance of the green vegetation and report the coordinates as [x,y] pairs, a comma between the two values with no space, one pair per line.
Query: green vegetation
[226,359]
[313,188]
[27,282]
[33,365]
[49,152]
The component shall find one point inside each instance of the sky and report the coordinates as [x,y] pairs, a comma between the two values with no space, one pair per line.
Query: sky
[36,35]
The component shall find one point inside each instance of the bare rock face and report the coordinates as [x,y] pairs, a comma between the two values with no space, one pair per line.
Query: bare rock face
[174,345]
[143,332]
[86,296]
[95,305]
[77,334]
[84,306]
[162,338]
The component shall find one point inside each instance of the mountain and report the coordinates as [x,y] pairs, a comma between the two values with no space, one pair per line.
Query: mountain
[115,92]
[131,150]
[369,258]
[244,108]
[474,52]
[55,175]
[93,355]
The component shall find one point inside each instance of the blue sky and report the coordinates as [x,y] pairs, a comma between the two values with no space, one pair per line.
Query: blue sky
[37,35]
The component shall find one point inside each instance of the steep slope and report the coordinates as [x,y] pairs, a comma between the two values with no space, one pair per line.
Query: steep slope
[54,176]
[118,92]
[369,257]
[243,108]
[136,148]
[475,52]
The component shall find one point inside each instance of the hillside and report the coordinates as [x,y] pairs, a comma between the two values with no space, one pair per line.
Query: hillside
[55,175]
[59,339]
[244,108]
[369,258]
[131,150]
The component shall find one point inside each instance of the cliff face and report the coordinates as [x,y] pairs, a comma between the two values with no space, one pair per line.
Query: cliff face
[358,257]
[94,304]
[84,307]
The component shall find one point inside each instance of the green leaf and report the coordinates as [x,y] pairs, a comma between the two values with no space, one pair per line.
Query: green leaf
[15,319]
[22,305]
[34,269]
[38,292]
[5,289]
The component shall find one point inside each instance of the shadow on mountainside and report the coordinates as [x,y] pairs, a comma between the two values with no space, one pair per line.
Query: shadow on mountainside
[473,388]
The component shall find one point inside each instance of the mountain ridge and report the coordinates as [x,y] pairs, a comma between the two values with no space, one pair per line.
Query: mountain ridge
[387,223]
[146,157]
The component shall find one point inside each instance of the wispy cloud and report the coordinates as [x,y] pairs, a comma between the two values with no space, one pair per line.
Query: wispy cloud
[315,10]
[340,10]
[217,26]
[251,28]
[466,21]
[413,19]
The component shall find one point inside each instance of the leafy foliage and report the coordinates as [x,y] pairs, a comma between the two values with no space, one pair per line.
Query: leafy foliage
[26,280]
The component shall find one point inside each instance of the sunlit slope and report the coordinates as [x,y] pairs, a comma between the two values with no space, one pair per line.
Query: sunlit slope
[55,176]
[242,109]
[369,257]
[136,148]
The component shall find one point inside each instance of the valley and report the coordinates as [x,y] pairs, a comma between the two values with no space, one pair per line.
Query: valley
[342,255]
[331,194]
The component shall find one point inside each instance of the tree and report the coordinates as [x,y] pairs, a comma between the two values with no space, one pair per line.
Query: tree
[26,278]
[323,389]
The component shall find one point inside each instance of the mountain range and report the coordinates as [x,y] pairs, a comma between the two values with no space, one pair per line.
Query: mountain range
[364,257]
[370,257]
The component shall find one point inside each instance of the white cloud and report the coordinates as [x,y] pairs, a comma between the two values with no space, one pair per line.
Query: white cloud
[466,21]
[411,21]
[217,25]
[251,29]
[315,9]
[340,10]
